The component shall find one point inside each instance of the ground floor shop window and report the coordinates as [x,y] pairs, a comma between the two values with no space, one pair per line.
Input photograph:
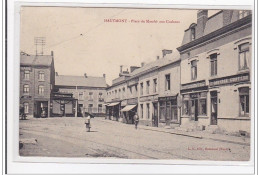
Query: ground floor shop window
[244,101]
[168,111]
[195,103]
[148,110]
[90,106]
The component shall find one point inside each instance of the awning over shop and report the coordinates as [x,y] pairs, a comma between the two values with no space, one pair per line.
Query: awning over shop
[106,104]
[113,104]
[128,108]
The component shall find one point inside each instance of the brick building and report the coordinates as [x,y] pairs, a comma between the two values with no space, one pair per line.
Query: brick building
[215,71]
[37,79]
[89,91]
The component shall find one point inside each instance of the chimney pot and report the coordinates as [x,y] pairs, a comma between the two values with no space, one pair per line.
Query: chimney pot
[157,57]
[202,17]
[51,53]
[165,52]
[104,75]
[121,69]
[142,64]
[56,73]
[85,75]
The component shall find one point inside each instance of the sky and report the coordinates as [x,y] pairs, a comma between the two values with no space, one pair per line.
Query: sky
[83,42]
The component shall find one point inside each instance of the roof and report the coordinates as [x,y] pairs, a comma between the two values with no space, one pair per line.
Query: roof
[167,59]
[36,60]
[70,80]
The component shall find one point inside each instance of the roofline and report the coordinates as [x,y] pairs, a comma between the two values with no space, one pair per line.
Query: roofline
[35,65]
[69,86]
[227,28]
[143,73]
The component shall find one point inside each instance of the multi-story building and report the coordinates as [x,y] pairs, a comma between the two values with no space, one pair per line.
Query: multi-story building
[89,91]
[215,71]
[37,79]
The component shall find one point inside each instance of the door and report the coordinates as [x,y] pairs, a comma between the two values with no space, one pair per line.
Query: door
[168,113]
[155,114]
[196,109]
[214,108]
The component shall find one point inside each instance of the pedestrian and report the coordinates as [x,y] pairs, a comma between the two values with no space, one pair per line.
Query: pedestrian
[136,120]
[87,123]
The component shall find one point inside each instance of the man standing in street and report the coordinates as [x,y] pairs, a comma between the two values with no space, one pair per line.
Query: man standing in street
[136,120]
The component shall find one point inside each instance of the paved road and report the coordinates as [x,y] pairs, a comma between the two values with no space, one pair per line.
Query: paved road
[67,137]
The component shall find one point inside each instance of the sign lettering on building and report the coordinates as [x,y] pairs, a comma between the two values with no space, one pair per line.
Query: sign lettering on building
[193,85]
[167,98]
[149,98]
[132,101]
[26,68]
[229,79]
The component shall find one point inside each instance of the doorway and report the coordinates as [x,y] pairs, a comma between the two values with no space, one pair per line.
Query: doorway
[214,107]
[194,110]
[41,109]
[155,114]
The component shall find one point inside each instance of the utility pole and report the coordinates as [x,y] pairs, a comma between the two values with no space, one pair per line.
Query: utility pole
[39,41]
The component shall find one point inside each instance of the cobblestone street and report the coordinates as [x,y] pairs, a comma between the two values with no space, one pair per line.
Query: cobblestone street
[67,137]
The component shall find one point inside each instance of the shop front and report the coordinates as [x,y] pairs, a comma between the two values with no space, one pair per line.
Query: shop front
[149,110]
[129,110]
[63,105]
[113,111]
[168,111]
[194,103]
[41,108]
[230,102]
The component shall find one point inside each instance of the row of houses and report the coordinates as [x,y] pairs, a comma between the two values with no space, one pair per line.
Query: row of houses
[207,86]
[44,93]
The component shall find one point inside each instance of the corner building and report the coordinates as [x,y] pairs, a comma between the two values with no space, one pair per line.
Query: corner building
[216,70]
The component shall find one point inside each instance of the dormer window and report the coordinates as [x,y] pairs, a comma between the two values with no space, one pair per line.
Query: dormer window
[192,34]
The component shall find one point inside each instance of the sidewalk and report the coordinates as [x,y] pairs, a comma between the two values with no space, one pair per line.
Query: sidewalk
[194,134]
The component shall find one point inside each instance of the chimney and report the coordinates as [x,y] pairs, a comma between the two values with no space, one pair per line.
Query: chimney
[104,75]
[56,73]
[85,75]
[202,17]
[52,53]
[158,57]
[165,52]
[142,64]
[121,68]
[227,15]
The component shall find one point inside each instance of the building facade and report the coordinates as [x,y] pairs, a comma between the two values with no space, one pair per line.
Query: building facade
[37,79]
[89,92]
[215,71]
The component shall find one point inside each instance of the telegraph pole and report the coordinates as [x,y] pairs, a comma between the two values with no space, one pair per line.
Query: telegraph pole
[39,41]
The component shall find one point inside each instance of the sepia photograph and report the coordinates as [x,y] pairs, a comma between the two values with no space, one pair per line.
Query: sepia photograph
[135,83]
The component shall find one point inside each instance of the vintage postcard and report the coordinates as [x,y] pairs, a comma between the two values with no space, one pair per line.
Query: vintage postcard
[135,83]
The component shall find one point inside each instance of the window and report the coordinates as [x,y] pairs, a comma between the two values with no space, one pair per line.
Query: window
[213,64]
[41,76]
[100,108]
[185,109]
[167,82]
[162,111]
[202,107]
[147,87]
[26,75]
[41,90]
[155,85]
[194,70]
[115,93]
[136,90]
[243,13]
[100,96]
[192,34]
[26,88]
[90,106]
[148,110]
[26,108]
[142,88]
[90,95]
[174,110]
[243,56]
[80,95]
[142,110]
[244,101]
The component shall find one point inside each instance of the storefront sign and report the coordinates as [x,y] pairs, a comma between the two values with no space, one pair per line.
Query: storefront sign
[229,79]
[167,98]
[132,101]
[26,68]
[193,85]
[62,95]
[149,98]
[26,97]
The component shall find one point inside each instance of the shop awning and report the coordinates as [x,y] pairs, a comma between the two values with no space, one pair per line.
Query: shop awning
[113,104]
[128,108]
[106,104]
